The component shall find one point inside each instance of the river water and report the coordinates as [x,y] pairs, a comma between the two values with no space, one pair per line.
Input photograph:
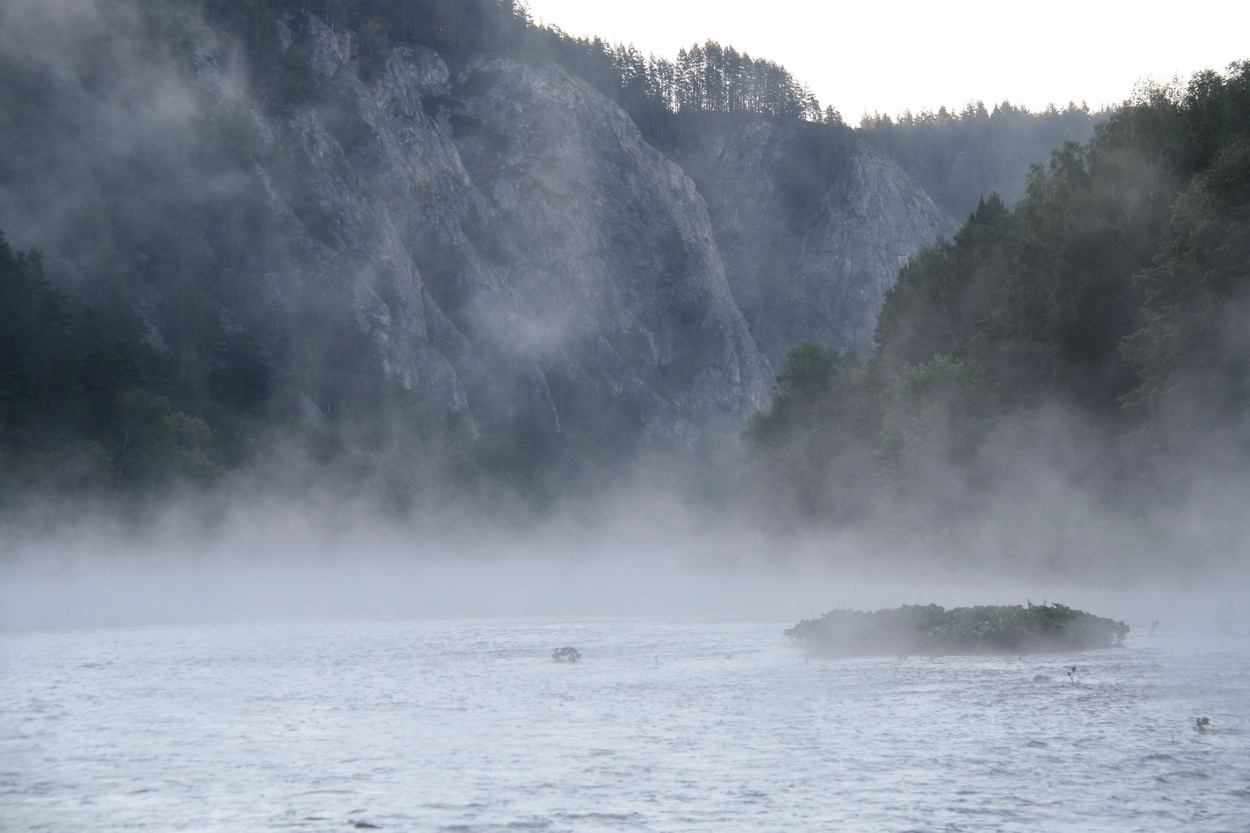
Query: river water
[468,725]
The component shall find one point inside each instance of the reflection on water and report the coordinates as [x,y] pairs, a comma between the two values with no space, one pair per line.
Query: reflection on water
[470,726]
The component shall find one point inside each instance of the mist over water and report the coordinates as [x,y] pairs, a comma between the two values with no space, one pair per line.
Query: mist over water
[635,560]
[280,665]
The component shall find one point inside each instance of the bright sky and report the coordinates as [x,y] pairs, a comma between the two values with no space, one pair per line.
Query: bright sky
[891,55]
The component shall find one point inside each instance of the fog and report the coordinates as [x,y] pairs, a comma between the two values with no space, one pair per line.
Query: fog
[354,356]
[155,139]
[112,590]
[652,557]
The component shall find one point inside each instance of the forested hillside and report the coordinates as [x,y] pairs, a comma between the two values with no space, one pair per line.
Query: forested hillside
[423,252]
[1074,370]
[964,155]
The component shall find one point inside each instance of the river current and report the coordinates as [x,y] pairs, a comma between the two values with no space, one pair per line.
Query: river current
[469,726]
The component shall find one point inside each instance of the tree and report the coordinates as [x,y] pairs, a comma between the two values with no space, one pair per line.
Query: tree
[944,295]
[1192,353]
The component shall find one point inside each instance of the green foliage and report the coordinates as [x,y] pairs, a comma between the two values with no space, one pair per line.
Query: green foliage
[941,408]
[946,293]
[74,409]
[807,373]
[1101,287]
[812,453]
[1066,296]
[1192,353]
[87,412]
[34,326]
[713,78]
[933,630]
[1227,179]
[1114,293]
[158,446]
[1057,288]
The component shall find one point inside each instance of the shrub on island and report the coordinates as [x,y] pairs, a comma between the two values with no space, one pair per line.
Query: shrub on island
[930,629]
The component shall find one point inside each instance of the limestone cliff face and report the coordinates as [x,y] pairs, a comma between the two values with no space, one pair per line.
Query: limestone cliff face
[501,238]
[606,270]
[868,225]
[513,246]
[813,235]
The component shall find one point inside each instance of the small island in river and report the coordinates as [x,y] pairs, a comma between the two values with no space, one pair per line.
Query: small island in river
[931,629]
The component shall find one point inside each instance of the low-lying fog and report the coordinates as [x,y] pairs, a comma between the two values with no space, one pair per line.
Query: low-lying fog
[292,565]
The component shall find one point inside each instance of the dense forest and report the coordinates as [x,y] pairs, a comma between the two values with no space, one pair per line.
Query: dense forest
[92,413]
[1080,357]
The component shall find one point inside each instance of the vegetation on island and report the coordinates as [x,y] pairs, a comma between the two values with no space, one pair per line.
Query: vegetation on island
[933,630]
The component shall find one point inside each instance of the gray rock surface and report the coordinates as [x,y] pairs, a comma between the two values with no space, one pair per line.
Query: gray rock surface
[813,232]
[502,238]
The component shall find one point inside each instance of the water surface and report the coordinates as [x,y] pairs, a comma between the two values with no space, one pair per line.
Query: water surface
[664,726]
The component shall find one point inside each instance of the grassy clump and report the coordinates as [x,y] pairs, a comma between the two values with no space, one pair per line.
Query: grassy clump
[930,629]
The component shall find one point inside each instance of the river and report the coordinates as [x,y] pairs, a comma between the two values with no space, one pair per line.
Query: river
[468,725]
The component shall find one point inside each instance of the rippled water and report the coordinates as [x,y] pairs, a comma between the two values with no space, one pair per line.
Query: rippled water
[664,726]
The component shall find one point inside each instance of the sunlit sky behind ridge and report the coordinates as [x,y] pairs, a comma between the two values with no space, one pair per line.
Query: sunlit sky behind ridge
[889,56]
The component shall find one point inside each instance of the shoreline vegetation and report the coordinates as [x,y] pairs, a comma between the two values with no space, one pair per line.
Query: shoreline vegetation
[933,630]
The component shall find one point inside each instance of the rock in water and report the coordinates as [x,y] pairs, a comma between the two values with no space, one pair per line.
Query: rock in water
[566,654]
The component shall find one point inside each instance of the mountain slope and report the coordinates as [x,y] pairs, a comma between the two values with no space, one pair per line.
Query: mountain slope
[305,226]
[483,232]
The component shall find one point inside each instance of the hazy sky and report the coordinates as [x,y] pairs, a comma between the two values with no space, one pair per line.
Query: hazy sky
[891,55]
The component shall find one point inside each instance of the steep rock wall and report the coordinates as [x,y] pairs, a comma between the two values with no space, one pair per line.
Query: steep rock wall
[500,238]
[814,226]
[610,277]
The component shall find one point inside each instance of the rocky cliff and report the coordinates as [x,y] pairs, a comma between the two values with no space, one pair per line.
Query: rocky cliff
[501,237]
[813,229]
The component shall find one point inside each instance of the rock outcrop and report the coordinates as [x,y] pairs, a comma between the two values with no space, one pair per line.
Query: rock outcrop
[501,237]
[813,234]
[605,276]
[513,246]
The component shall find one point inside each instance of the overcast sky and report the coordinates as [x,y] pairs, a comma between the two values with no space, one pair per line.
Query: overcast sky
[891,55]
